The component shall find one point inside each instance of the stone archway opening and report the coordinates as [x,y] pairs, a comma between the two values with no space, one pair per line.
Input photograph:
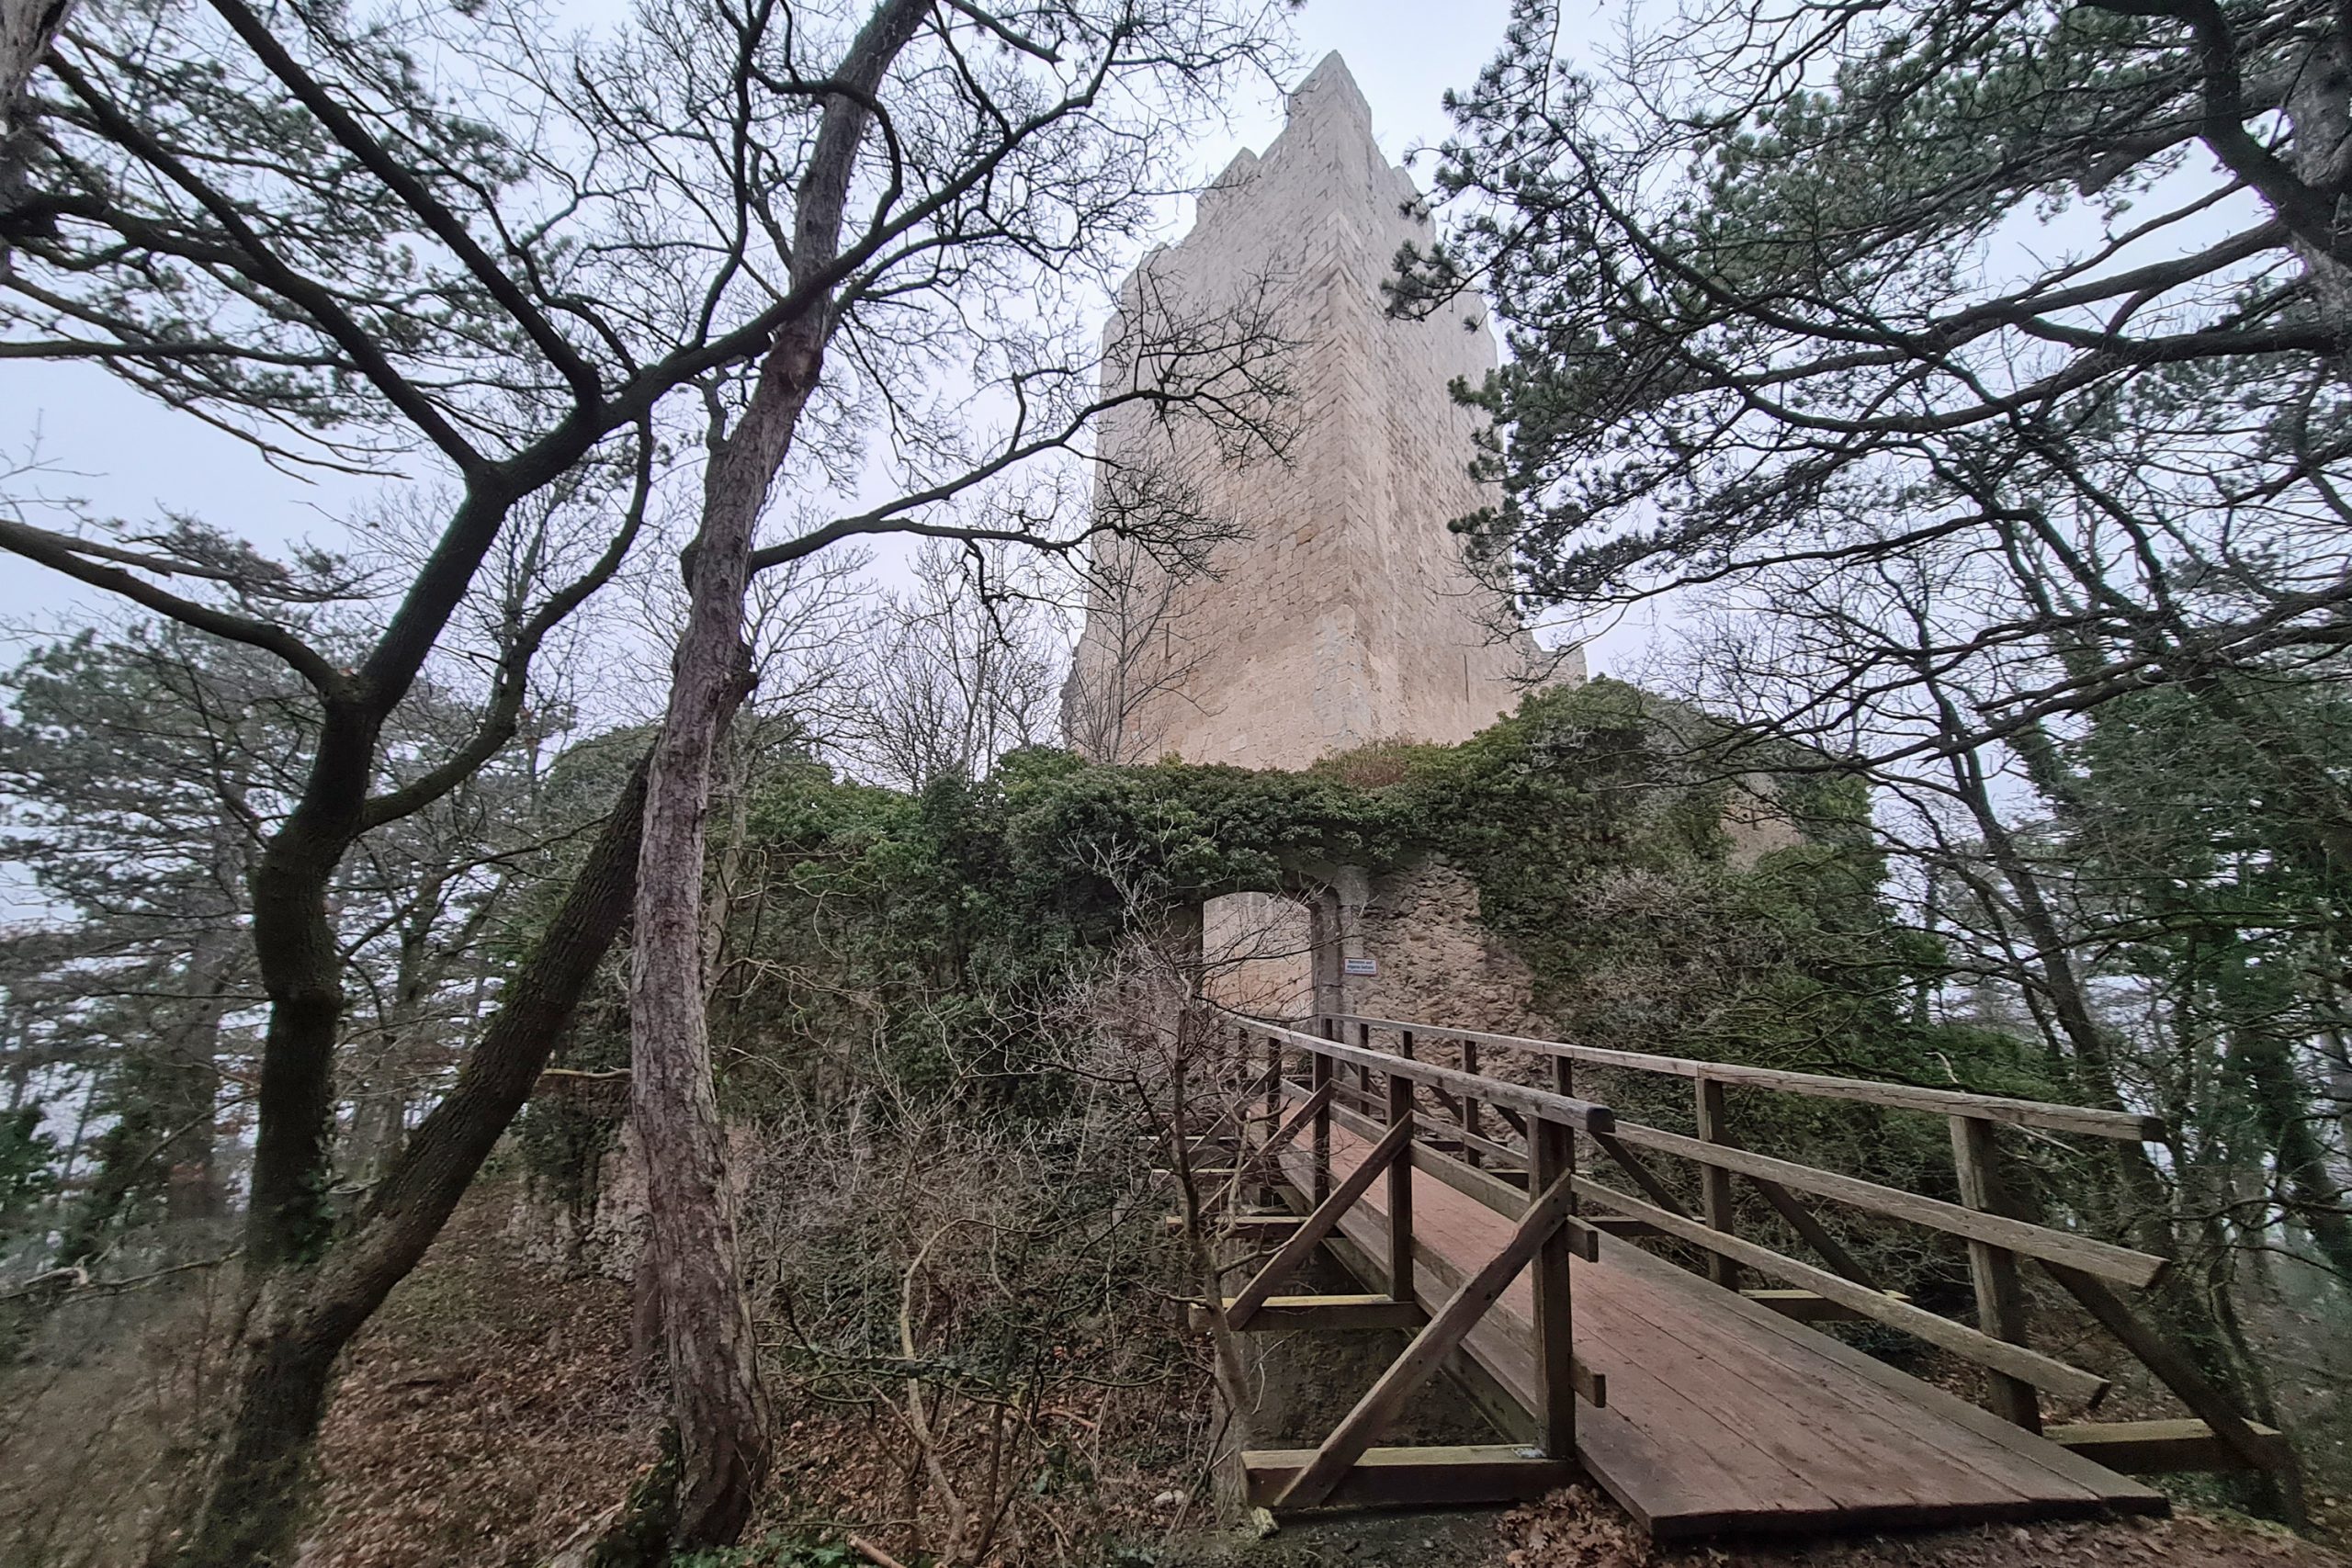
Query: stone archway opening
[1258,955]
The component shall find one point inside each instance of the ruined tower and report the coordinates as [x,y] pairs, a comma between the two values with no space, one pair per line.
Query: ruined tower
[1341,611]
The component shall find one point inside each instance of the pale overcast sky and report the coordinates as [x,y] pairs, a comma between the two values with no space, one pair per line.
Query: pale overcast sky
[128,456]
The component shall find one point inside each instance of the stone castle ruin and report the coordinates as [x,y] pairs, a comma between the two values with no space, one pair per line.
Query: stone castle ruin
[1340,611]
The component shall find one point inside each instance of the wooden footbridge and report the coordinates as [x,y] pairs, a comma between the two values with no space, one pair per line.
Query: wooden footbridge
[1457,1192]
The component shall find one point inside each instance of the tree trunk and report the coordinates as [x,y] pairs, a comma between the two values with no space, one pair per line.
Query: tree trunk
[301,1317]
[27,29]
[2150,1215]
[719,1405]
[2284,1112]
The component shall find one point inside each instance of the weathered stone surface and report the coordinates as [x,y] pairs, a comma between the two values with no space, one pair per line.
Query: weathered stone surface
[1434,959]
[1422,952]
[1344,612]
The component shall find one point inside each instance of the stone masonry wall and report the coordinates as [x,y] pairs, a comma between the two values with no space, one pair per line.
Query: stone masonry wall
[1344,612]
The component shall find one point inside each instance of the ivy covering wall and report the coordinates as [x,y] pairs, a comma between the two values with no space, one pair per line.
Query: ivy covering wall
[932,928]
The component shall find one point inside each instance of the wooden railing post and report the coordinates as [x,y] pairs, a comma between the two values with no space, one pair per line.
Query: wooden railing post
[2000,1300]
[1266,1194]
[1714,1183]
[1469,1106]
[1564,1081]
[1400,1193]
[1274,1077]
[1319,1076]
[1552,1156]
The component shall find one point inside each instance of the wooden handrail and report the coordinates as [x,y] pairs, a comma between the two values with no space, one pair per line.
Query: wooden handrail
[2126,1126]
[1582,1115]
[2092,1257]
[2015,1360]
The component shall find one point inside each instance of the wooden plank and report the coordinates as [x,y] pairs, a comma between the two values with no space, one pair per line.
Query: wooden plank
[2092,1257]
[2000,1301]
[1400,1192]
[1854,1447]
[1339,1314]
[2042,1372]
[1416,1477]
[2164,1447]
[1380,1404]
[1318,1224]
[1580,1113]
[1944,1415]
[1555,1392]
[2127,1125]
[1714,1182]
[1810,1306]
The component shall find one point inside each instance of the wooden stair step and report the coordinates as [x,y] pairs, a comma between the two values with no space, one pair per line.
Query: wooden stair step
[1346,1314]
[2160,1447]
[1417,1477]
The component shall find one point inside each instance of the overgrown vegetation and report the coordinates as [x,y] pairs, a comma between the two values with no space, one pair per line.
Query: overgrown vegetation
[944,927]
[944,1198]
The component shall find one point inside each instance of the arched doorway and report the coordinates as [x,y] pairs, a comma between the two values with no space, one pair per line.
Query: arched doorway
[1257,954]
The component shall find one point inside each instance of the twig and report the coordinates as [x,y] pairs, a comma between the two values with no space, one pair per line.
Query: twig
[873,1553]
[73,1277]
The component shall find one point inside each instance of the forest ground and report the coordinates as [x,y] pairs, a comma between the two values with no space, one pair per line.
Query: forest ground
[490,1411]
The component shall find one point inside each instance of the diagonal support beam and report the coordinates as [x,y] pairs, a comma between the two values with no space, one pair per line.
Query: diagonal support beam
[1644,1176]
[1379,1406]
[1317,1225]
[1261,1160]
[2175,1370]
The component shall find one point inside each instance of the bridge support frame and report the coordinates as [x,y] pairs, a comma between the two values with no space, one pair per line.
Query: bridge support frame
[1346,1468]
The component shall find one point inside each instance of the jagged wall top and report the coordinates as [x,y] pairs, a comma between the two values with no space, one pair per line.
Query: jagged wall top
[1325,168]
[1342,611]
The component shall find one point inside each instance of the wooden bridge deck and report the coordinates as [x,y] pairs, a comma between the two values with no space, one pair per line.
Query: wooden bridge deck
[1725,1416]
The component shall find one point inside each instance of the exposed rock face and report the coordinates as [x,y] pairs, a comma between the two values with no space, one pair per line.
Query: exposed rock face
[1342,611]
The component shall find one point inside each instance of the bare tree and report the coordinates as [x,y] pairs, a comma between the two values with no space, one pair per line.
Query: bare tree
[1127,664]
[503,305]
[953,672]
[1048,167]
